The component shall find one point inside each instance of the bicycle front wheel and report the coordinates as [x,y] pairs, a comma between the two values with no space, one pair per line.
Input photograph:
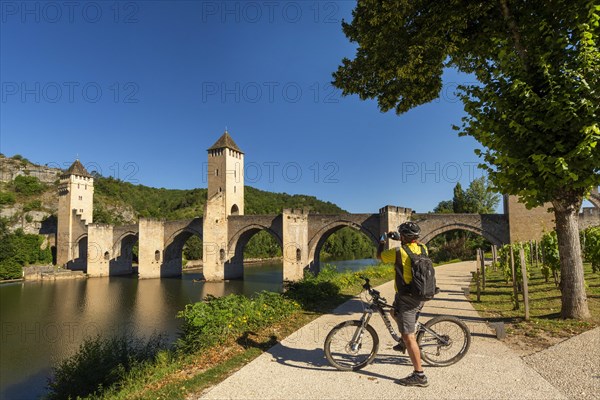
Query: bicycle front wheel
[444,340]
[346,355]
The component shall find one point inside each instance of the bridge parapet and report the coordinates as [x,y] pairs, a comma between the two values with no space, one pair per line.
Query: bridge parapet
[493,227]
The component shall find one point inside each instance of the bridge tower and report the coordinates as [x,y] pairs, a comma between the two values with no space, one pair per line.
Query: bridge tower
[225,198]
[226,174]
[75,211]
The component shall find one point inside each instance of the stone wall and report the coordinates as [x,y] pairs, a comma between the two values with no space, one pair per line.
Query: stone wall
[524,224]
[590,216]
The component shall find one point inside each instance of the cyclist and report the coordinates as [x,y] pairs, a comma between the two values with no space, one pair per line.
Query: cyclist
[406,307]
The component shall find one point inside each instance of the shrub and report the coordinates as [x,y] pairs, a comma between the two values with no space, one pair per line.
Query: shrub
[32,205]
[28,185]
[590,243]
[216,320]
[19,157]
[10,269]
[550,256]
[99,364]
[7,198]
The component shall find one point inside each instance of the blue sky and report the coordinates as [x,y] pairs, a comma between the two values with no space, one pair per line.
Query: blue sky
[139,90]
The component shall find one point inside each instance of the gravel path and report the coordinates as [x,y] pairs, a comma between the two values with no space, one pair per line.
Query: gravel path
[297,369]
[573,366]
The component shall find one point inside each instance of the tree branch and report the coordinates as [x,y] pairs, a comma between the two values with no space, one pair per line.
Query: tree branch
[512,26]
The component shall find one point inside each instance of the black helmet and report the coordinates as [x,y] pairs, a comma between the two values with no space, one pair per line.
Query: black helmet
[410,230]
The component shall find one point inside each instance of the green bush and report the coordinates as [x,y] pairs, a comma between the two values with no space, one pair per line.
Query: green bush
[7,198]
[10,269]
[590,242]
[18,250]
[216,320]
[550,256]
[32,205]
[316,292]
[28,185]
[19,157]
[504,260]
[99,364]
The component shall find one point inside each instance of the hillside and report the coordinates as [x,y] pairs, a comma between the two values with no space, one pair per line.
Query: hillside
[29,199]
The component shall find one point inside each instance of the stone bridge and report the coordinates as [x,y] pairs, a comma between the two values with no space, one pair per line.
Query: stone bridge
[104,250]
[300,234]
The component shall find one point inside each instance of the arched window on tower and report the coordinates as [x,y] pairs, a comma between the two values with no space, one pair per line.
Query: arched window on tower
[235,210]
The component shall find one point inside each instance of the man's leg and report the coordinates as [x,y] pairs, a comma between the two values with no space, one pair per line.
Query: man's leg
[410,341]
[408,309]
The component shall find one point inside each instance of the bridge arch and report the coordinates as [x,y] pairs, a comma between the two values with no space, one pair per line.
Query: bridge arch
[240,239]
[124,242]
[172,259]
[428,236]
[80,248]
[122,253]
[174,243]
[315,244]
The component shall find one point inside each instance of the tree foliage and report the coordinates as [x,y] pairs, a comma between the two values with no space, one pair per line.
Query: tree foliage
[28,185]
[18,250]
[347,244]
[534,108]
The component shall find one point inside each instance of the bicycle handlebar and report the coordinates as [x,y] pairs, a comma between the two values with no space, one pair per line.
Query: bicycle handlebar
[374,293]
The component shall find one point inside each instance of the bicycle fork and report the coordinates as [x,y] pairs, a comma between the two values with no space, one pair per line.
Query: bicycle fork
[357,337]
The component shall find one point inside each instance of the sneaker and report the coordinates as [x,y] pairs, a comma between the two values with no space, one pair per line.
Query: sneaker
[400,347]
[414,379]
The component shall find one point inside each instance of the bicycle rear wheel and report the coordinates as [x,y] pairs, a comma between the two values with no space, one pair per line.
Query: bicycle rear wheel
[345,355]
[449,344]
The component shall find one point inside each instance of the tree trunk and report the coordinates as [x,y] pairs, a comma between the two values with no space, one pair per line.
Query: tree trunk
[574,299]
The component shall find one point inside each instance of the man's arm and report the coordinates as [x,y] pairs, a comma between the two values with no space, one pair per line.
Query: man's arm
[382,240]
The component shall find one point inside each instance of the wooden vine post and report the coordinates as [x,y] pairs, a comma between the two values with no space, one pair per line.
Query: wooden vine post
[525,286]
[514,279]
[482,261]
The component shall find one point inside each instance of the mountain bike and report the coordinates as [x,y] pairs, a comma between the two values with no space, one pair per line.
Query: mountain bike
[352,345]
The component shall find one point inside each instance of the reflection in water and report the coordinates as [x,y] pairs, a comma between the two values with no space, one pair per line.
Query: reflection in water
[44,322]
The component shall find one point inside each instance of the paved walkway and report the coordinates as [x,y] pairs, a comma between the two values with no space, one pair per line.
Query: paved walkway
[297,369]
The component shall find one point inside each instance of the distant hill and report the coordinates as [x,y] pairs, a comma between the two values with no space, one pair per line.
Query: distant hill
[28,197]
[29,201]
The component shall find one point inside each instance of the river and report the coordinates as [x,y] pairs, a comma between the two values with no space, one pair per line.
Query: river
[44,322]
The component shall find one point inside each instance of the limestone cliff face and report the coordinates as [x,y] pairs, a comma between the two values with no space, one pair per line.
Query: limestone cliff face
[40,218]
[33,214]
[10,168]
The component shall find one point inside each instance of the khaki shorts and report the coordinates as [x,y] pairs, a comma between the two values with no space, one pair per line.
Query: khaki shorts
[407,308]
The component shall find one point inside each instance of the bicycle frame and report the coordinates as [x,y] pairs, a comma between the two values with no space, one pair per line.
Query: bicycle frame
[379,307]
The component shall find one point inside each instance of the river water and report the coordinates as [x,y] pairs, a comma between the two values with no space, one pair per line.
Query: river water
[44,322]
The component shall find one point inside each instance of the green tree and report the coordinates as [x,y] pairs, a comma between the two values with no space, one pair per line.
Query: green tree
[444,207]
[192,250]
[535,106]
[480,198]
[458,201]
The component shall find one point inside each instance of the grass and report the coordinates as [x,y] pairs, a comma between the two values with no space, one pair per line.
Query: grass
[176,375]
[545,323]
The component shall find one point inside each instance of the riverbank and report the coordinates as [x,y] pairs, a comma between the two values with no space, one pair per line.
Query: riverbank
[296,367]
[175,374]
